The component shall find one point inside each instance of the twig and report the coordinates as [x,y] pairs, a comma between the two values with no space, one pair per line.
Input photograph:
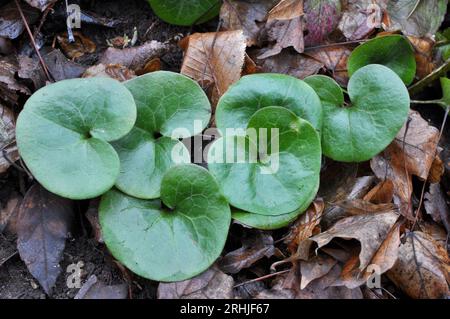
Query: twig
[337,44]
[27,27]
[262,278]
[430,102]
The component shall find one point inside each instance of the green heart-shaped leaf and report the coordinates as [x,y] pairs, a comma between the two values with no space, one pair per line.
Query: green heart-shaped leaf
[253,92]
[272,222]
[166,102]
[278,181]
[393,51]
[379,108]
[186,12]
[172,241]
[63,134]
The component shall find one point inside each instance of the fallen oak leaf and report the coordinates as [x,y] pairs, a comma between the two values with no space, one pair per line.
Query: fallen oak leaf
[212,284]
[369,229]
[411,153]
[215,60]
[423,267]
[383,260]
[43,226]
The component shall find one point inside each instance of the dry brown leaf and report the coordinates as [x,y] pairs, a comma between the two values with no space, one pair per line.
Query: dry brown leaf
[437,170]
[370,230]
[9,153]
[424,55]
[10,88]
[384,259]
[382,193]
[360,206]
[302,229]
[335,60]
[8,214]
[212,284]
[151,66]
[246,15]
[290,63]
[81,46]
[286,10]
[315,268]
[423,268]
[348,190]
[215,60]
[114,71]
[361,17]
[257,245]
[413,157]
[136,57]
[436,206]
[284,28]
[288,286]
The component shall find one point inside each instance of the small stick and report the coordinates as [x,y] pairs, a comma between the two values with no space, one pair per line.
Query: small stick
[262,278]
[27,27]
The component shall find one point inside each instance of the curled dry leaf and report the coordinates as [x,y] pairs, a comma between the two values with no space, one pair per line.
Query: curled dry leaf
[284,28]
[136,57]
[412,153]
[81,46]
[436,206]
[42,227]
[316,267]
[9,153]
[361,17]
[382,193]
[351,189]
[212,284]
[335,60]
[245,15]
[114,71]
[302,229]
[215,60]
[10,88]
[424,55]
[254,247]
[95,289]
[369,229]
[423,267]
[383,260]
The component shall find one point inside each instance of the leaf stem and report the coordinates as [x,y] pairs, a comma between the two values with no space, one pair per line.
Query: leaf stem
[438,102]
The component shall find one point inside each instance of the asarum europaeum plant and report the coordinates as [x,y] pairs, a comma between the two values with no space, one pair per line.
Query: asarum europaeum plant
[168,220]
[393,51]
[166,102]
[186,12]
[64,134]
